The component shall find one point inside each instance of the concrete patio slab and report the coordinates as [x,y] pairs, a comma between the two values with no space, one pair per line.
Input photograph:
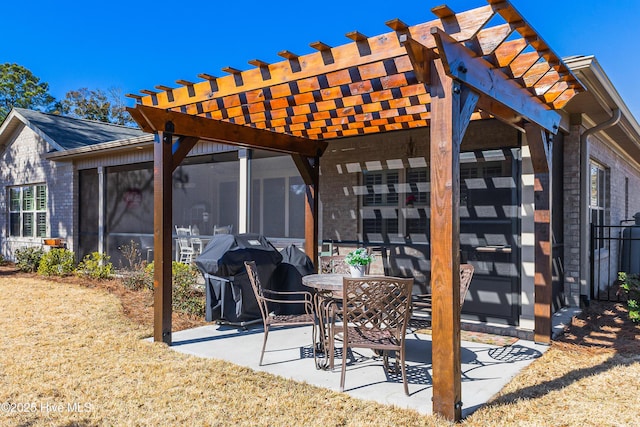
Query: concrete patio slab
[485,368]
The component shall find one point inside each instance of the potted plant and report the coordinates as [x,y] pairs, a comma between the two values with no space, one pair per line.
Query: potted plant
[358,261]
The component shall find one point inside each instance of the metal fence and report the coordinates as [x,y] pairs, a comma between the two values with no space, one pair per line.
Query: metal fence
[614,248]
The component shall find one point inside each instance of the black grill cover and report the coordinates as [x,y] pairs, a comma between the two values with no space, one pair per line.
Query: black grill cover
[228,289]
[288,276]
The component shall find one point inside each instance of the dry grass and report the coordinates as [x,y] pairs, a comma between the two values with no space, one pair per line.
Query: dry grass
[589,377]
[61,344]
[569,386]
[64,344]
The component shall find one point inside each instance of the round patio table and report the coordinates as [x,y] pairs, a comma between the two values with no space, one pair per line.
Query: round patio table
[323,282]
[328,293]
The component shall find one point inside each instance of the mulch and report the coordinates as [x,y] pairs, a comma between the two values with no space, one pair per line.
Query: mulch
[604,325]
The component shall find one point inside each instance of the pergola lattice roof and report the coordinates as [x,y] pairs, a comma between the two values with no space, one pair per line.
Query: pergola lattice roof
[371,84]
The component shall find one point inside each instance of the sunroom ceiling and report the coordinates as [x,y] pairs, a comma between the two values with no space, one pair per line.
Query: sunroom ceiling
[371,85]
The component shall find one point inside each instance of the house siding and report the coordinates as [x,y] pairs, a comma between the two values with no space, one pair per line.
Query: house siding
[22,162]
[145,154]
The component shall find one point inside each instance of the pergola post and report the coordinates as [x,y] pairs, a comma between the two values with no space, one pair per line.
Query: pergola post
[162,236]
[311,223]
[541,157]
[309,168]
[451,108]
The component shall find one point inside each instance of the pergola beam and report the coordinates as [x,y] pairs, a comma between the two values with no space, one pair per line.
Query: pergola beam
[461,65]
[225,132]
[420,57]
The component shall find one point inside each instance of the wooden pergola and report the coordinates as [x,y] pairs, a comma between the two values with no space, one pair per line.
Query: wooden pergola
[482,63]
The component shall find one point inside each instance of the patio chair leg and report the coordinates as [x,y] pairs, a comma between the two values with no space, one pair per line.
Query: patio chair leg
[403,367]
[344,369]
[264,343]
[332,350]
[313,341]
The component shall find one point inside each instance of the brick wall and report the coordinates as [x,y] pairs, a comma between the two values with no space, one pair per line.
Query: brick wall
[572,184]
[345,158]
[619,167]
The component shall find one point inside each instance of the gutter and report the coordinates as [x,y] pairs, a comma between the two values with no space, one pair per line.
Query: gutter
[584,211]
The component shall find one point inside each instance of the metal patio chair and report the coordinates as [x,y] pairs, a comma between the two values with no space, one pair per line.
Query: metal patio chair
[375,313]
[267,301]
[422,303]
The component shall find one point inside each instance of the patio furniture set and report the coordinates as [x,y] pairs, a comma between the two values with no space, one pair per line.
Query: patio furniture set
[371,312]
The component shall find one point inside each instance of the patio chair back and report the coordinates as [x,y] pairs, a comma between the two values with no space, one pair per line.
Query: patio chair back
[423,302]
[185,248]
[375,313]
[273,298]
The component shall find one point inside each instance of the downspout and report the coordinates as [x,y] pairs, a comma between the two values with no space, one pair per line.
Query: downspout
[585,280]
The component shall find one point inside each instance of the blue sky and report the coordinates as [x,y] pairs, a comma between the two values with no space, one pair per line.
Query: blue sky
[137,44]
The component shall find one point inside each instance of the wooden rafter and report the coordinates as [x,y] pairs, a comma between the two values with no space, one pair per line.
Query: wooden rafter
[341,91]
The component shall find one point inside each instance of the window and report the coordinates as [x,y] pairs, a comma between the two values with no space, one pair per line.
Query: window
[394,204]
[598,201]
[28,211]
[278,197]
[380,201]
[626,197]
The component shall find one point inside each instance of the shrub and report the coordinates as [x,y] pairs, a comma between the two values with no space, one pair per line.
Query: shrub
[187,298]
[136,275]
[96,266]
[131,253]
[28,259]
[630,286]
[56,262]
[137,280]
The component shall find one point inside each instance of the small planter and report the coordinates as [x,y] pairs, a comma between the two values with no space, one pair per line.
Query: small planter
[357,270]
[358,261]
[53,242]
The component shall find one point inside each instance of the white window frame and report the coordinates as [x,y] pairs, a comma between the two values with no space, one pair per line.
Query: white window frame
[30,206]
[599,198]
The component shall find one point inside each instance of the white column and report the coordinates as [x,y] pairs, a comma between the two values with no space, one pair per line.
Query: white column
[244,196]
[102,205]
[527,240]
[585,228]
